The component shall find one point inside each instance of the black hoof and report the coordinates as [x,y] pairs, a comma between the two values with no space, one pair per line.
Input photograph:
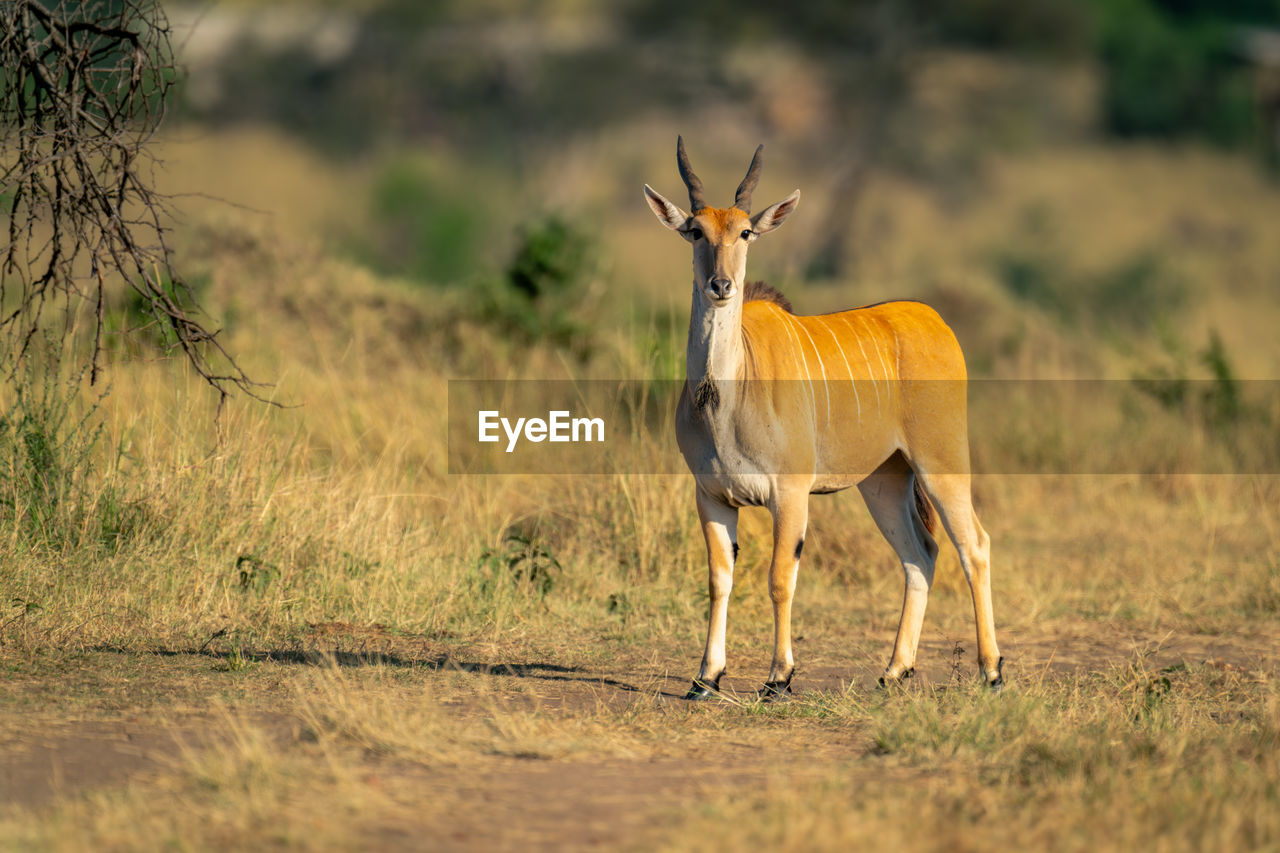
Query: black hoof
[892,682]
[776,691]
[997,684]
[703,690]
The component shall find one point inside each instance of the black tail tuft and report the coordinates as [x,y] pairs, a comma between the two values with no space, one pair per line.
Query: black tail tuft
[925,508]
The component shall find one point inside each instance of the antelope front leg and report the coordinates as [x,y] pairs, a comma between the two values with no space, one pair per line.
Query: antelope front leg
[720,527]
[790,519]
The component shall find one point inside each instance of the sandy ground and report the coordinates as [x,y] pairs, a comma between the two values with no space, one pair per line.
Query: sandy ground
[541,803]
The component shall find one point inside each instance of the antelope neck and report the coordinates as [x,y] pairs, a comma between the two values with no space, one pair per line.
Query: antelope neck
[715,349]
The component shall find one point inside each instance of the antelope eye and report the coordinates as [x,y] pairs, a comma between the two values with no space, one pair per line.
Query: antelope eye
[746,235]
[697,233]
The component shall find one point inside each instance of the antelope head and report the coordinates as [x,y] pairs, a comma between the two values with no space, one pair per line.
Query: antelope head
[720,235]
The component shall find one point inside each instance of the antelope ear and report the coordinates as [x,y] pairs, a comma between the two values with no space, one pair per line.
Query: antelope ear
[668,214]
[775,214]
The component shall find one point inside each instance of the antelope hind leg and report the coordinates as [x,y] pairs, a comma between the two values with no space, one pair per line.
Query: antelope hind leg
[951,497]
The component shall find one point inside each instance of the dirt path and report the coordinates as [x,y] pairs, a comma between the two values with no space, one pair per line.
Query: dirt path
[577,800]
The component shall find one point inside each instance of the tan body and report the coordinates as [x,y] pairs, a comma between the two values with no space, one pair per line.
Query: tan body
[777,407]
[829,397]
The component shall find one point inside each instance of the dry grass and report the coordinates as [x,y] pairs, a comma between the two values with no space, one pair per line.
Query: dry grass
[245,792]
[1173,759]
[1179,757]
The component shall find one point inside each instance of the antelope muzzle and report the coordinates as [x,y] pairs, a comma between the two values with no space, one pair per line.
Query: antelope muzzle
[720,288]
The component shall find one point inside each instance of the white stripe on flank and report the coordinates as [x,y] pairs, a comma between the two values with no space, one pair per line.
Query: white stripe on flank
[825,385]
[858,338]
[813,399]
[848,369]
[888,383]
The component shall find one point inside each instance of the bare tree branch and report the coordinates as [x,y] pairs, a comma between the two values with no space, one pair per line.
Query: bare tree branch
[83,87]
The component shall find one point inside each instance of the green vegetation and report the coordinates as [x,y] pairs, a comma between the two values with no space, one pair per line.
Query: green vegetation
[540,296]
[424,227]
[1176,68]
[51,445]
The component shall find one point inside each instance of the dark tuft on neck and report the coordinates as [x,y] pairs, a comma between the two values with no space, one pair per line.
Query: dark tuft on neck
[706,397]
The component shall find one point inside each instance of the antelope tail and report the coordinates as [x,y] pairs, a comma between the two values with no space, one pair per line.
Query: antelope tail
[925,508]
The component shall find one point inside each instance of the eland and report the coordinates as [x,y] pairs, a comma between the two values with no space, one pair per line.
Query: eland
[778,406]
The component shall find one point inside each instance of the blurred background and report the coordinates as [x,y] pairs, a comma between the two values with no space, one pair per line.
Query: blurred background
[1082,188]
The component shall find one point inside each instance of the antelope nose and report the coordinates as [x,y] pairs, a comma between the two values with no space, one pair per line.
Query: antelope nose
[722,288]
